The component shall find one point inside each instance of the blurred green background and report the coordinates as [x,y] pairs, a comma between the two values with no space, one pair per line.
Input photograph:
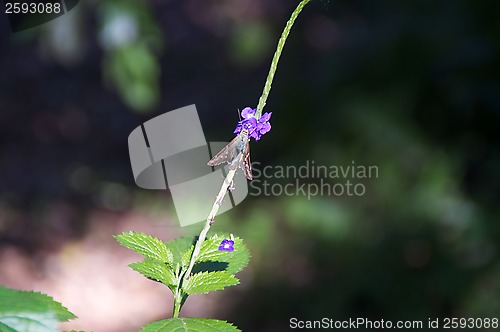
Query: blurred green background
[411,87]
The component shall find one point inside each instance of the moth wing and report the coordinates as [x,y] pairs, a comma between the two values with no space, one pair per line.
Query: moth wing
[245,163]
[224,155]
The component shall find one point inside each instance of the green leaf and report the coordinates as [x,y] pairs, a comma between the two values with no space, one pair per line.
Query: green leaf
[29,311]
[181,249]
[205,282]
[191,325]
[146,245]
[155,270]
[236,260]
[186,257]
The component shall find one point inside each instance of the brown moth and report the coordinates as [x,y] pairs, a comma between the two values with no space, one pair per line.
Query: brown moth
[236,154]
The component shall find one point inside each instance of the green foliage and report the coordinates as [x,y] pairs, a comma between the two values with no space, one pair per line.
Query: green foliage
[131,58]
[146,245]
[157,271]
[27,311]
[168,262]
[182,249]
[236,260]
[133,70]
[190,324]
[205,282]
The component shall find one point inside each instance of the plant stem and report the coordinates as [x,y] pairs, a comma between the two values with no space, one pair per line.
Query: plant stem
[177,302]
[230,175]
[210,220]
[276,58]
[203,235]
[177,293]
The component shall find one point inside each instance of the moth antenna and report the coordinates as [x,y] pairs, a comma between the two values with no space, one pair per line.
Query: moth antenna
[239,114]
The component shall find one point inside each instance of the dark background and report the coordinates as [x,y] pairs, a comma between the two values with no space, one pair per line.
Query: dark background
[411,87]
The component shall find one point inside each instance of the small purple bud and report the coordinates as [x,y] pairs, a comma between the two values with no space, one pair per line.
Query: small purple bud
[247,112]
[227,245]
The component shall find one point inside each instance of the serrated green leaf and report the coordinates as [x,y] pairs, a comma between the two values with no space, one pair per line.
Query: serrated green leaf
[191,325]
[181,249]
[204,282]
[186,257]
[5,328]
[29,311]
[157,271]
[146,245]
[236,260]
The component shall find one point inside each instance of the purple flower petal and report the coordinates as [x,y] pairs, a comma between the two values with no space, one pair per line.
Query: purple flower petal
[266,127]
[250,123]
[265,117]
[226,245]
[247,112]
[238,128]
[256,128]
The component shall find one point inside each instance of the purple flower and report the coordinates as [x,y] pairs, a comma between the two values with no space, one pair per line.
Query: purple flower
[226,245]
[248,112]
[256,128]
